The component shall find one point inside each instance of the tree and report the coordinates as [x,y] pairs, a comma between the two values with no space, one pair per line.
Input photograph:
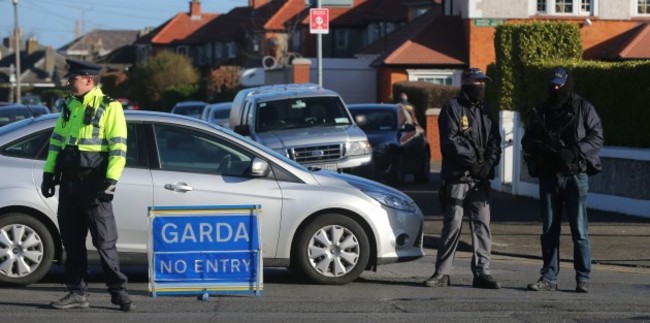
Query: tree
[164,80]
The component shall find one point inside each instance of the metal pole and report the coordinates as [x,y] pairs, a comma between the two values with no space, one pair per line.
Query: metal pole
[17,51]
[319,54]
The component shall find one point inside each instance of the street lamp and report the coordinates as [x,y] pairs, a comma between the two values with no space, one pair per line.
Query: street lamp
[17,46]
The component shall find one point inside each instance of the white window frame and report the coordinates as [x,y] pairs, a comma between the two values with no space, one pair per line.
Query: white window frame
[550,8]
[635,8]
[419,74]
[218,50]
[231,49]
[341,39]
[183,50]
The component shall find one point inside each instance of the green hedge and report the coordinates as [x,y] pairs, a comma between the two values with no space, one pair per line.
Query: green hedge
[425,95]
[519,45]
[620,92]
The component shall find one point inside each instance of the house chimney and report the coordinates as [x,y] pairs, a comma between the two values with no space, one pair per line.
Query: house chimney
[195,9]
[257,3]
[32,45]
[49,60]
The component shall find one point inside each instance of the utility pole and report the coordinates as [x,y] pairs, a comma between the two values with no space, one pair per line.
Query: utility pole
[17,51]
[319,49]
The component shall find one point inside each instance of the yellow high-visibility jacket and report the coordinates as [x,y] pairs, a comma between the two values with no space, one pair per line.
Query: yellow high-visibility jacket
[104,137]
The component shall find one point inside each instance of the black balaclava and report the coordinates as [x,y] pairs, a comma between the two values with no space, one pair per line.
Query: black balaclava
[475,92]
[557,98]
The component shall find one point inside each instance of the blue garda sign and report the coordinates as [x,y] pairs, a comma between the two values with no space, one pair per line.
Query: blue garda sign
[204,250]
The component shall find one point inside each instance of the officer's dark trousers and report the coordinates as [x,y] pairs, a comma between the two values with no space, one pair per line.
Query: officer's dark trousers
[79,212]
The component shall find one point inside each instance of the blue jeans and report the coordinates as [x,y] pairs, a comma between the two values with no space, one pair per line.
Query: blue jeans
[556,194]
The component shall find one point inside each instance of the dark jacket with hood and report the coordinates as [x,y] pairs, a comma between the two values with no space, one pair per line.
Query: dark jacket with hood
[467,136]
[582,131]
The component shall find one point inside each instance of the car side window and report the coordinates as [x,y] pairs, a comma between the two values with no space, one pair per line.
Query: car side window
[181,149]
[132,152]
[34,146]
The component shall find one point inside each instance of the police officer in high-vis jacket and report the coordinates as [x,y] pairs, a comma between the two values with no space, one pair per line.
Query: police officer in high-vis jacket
[471,148]
[86,156]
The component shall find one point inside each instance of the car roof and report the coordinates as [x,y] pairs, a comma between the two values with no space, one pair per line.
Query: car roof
[221,105]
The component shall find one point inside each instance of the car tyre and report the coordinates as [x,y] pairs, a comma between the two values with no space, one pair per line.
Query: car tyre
[26,249]
[332,249]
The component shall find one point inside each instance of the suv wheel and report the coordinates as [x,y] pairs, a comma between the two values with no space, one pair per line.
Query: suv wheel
[333,249]
[26,249]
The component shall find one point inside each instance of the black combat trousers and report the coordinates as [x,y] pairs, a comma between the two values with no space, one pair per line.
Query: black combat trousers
[79,212]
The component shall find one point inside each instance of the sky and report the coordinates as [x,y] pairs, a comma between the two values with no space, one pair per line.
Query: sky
[53,22]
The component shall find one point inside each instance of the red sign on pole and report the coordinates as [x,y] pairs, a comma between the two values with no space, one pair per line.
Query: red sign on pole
[319,21]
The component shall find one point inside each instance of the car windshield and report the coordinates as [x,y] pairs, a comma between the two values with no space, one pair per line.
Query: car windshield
[221,114]
[301,113]
[375,119]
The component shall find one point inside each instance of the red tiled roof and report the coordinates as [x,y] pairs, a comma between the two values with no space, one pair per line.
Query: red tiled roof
[291,9]
[364,11]
[430,39]
[636,46]
[179,29]
[233,25]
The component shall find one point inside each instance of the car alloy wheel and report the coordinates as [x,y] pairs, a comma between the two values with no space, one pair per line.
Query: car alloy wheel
[334,249]
[26,249]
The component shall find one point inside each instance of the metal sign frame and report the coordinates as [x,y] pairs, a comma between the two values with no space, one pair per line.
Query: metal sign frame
[213,251]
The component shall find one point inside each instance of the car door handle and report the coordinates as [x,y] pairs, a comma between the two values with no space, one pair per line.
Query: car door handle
[180,187]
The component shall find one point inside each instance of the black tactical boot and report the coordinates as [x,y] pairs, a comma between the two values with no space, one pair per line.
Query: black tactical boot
[582,287]
[485,281]
[437,280]
[123,300]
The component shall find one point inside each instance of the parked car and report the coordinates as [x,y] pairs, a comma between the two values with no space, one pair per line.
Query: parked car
[327,225]
[31,100]
[304,122]
[217,113]
[399,144]
[128,104]
[16,112]
[192,109]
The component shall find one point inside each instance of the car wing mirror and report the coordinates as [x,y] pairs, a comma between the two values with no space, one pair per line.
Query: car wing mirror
[243,130]
[260,167]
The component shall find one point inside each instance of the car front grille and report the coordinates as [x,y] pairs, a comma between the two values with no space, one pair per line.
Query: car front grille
[316,154]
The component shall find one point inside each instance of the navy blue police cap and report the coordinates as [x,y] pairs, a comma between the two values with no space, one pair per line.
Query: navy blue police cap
[76,67]
[559,76]
[474,74]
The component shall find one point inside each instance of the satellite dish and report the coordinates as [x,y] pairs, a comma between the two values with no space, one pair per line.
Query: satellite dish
[269,62]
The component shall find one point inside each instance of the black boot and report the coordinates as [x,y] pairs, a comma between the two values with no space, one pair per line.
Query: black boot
[437,280]
[485,281]
[123,300]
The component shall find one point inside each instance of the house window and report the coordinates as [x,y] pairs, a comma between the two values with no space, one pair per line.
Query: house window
[541,6]
[231,47]
[182,50]
[218,50]
[644,7]
[295,40]
[420,11]
[585,7]
[341,39]
[563,6]
[373,32]
[443,77]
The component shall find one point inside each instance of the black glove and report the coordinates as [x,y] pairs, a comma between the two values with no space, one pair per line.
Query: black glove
[569,155]
[107,191]
[48,184]
[481,170]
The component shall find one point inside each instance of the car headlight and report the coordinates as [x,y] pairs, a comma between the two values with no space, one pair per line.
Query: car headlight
[356,148]
[392,201]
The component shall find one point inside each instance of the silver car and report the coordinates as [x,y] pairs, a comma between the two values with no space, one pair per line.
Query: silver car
[326,225]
